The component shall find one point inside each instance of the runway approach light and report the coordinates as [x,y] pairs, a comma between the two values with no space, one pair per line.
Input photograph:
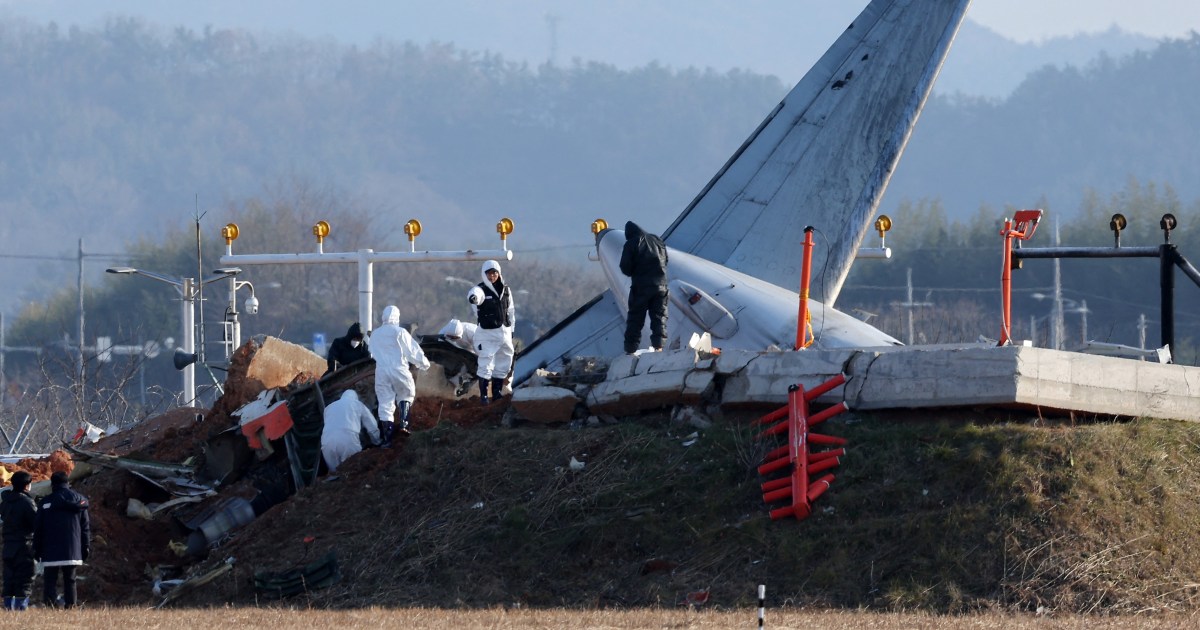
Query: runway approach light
[504,227]
[321,230]
[412,229]
[1167,223]
[883,224]
[598,226]
[230,233]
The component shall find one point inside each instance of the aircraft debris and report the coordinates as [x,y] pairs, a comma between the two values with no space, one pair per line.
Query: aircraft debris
[318,574]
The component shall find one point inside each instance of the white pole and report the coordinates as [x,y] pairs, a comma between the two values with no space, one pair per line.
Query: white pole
[189,342]
[231,320]
[909,304]
[1083,315]
[366,283]
[762,604]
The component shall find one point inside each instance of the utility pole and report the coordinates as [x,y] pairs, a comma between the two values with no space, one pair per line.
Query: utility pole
[1056,313]
[909,305]
[79,360]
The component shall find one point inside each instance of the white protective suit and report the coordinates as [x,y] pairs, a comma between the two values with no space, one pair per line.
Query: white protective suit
[495,345]
[394,349]
[344,419]
[461,334]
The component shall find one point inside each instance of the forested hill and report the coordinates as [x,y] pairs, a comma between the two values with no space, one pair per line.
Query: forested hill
[127,130]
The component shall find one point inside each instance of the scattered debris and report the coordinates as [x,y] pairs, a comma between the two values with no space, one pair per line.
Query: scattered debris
[315,575]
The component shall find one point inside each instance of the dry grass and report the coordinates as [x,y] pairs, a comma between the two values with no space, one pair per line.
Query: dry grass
[973,517]
[500,618]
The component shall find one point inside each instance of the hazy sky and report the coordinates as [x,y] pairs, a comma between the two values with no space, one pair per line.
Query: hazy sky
[781,37]
[1034,20]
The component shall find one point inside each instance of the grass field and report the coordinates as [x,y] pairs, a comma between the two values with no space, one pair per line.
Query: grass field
[498,618]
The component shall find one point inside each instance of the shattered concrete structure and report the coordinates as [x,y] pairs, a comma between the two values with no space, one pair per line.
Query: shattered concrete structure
[912,377]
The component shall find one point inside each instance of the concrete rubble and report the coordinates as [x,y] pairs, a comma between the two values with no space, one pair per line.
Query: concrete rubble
[913,377]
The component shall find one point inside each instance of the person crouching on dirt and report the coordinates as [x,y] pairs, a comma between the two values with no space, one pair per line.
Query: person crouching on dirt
[348,349]
[394,349]
[460,335]
[345,418]
[18,512]
[494,310]
[62,538]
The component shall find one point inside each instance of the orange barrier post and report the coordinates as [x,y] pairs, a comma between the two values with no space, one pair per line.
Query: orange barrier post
[1021,227]
[805,269]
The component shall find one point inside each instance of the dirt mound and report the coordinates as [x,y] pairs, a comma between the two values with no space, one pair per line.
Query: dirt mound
[41,469]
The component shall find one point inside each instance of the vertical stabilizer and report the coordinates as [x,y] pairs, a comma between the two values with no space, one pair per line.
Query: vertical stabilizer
[825,154]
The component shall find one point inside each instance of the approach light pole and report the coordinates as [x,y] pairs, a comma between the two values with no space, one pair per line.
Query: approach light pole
[233,327]
[185,356]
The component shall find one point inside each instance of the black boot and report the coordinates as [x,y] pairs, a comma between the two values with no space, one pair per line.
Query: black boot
[497,388]
[483,390]
[385,434]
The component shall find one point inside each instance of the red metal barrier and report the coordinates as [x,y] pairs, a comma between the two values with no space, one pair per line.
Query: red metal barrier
[1022,226]
[803,330]
[796,454]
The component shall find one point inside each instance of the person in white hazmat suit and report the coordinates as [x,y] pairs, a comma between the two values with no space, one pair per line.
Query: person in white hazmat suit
[345,418]
[462,335]
[394,349]
[496,314]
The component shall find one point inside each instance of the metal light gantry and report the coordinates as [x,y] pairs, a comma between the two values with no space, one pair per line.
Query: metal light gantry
[364,258]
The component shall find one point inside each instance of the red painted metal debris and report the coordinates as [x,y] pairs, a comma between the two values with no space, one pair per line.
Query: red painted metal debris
[796,456]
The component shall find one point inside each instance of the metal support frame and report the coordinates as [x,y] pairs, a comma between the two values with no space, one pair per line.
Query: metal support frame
[1167,253]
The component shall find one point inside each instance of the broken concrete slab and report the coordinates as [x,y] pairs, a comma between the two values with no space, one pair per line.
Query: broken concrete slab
[628,396]
[277,363]
[670,361]
[732,361]
[545,404]
[622,366]
[946,376]
[766,377]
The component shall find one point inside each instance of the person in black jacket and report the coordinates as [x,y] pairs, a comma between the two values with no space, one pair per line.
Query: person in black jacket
[644,260]
[18,513]
[62,538]
[346,350]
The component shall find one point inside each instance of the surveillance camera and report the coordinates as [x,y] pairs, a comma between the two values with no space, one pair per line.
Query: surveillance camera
[252,305]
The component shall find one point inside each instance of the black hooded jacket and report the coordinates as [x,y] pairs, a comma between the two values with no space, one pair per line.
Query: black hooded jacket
[644,257]
[342,354]
[63,531]
[19,513]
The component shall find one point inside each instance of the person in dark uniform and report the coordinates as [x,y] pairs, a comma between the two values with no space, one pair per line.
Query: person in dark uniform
[18,512]
[644,260]
[62,538]
[346,350]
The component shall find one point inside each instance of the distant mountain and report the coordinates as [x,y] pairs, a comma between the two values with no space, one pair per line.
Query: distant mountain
[1063,131]
[984,63]
[120,131]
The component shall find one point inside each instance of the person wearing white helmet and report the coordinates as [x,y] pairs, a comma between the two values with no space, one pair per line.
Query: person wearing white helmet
[345,419]
[496,315]
[460,334]
[394,349]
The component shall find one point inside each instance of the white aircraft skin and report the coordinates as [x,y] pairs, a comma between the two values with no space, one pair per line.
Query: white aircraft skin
[821,158]
[738,310]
